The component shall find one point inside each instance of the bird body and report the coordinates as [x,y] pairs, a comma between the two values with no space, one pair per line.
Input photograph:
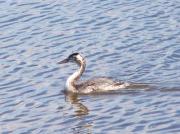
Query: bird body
[95,85]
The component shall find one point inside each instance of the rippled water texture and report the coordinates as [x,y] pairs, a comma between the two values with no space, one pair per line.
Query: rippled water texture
[129,40]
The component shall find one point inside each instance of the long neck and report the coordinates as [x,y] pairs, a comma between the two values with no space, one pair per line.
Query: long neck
[71,81]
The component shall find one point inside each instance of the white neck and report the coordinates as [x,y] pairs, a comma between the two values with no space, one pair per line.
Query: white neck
[71,81]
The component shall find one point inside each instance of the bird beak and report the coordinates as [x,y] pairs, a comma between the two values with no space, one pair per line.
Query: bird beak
[63,61]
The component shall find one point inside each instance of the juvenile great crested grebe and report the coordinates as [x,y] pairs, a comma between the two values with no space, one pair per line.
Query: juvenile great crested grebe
[95,85]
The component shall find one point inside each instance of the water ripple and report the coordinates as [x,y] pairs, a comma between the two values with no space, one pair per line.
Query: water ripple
[133,40]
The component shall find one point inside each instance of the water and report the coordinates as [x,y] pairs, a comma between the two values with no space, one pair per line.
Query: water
[135,40]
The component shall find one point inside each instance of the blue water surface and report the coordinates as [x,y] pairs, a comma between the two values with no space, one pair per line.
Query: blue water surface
[134,40]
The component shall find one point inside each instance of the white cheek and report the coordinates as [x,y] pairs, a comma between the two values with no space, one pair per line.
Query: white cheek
[79,57]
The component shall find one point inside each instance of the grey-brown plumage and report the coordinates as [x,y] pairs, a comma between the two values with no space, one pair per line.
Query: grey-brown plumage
[101,84]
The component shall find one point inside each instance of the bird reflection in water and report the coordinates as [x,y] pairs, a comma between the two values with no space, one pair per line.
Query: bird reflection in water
[81,112]
[80,109]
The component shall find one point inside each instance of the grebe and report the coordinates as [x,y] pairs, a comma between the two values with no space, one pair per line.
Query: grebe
[101,84]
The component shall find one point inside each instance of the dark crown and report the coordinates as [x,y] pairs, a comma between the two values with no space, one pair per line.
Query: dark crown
[73,56]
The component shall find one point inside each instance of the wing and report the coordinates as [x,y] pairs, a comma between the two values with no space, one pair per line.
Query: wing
[98,84]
